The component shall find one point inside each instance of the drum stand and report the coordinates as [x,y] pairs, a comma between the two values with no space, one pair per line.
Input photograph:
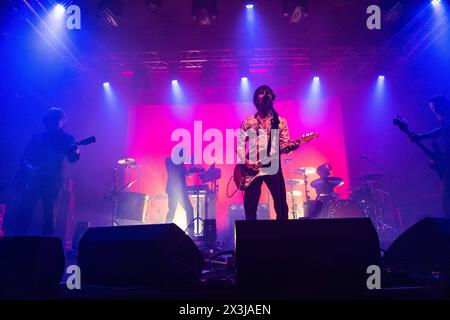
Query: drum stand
[114,195]
[293,204]
[197,219]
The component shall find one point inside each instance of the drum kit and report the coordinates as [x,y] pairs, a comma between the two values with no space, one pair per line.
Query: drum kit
[364,200]
[126,205]
[132,206]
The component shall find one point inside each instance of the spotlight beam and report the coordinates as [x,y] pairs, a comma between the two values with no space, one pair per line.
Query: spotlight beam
[50,31]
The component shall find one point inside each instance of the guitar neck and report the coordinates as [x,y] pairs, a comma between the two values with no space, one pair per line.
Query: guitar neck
[422,147]
[427,151]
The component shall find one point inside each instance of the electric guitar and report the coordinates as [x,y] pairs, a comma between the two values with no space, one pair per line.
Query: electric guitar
[243,176]
[26,175]
[438,161]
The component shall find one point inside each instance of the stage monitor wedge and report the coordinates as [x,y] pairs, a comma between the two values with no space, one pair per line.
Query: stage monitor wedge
[30,263]
[422,252]
[152,256]
[308,256]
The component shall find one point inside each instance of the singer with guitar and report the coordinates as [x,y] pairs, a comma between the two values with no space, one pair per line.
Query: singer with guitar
[41,171]
[263,123]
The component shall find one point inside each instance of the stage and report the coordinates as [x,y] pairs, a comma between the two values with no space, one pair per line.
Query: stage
[225,150]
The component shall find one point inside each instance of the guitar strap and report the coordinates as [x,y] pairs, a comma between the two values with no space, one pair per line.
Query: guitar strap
[274,125]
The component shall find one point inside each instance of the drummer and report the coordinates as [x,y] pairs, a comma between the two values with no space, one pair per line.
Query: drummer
[326,184]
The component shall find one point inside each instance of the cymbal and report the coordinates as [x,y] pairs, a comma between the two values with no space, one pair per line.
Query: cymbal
[295,193]
[305,170]
[371,177]
[293,182]
[127,162]
[327,182]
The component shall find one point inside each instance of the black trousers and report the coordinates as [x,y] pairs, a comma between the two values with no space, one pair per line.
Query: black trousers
[277,189]
[179,197]
[48,192]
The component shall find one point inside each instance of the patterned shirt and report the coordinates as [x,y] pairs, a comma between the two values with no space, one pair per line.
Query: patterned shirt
[256,132]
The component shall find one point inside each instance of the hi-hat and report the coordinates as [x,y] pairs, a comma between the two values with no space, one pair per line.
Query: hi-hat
[305,170]
[129,162]
[294,182]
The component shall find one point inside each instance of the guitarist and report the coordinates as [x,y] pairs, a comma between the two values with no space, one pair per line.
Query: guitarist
[42,169]
[265,119]
[440,105]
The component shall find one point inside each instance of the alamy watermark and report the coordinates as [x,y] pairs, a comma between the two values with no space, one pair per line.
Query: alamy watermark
[73,17]
[373,22]
[222,150]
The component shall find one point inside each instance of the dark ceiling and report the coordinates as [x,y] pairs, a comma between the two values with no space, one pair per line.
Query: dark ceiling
[330,23]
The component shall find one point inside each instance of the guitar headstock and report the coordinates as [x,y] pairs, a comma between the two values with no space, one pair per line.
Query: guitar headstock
[401,124]
[87,141]
[308,137]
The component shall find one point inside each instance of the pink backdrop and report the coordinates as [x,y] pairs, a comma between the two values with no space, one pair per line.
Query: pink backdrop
[149,142]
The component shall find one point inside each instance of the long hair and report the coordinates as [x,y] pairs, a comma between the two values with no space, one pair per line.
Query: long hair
[266,88]
[261,89]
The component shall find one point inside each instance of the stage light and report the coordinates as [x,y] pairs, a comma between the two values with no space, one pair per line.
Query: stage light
[204,11]
[59,10]
[379,93]
[177,93]
[315,88]
[153,5]
[249,4]
[110,12]
[435,2]
[244,89]
[106,84]
[295,10]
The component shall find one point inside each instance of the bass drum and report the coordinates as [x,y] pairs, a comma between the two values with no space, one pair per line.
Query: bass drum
[345,209]
[132,206]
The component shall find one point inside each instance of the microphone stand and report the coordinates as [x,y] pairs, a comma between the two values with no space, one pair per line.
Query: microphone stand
[391,189]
